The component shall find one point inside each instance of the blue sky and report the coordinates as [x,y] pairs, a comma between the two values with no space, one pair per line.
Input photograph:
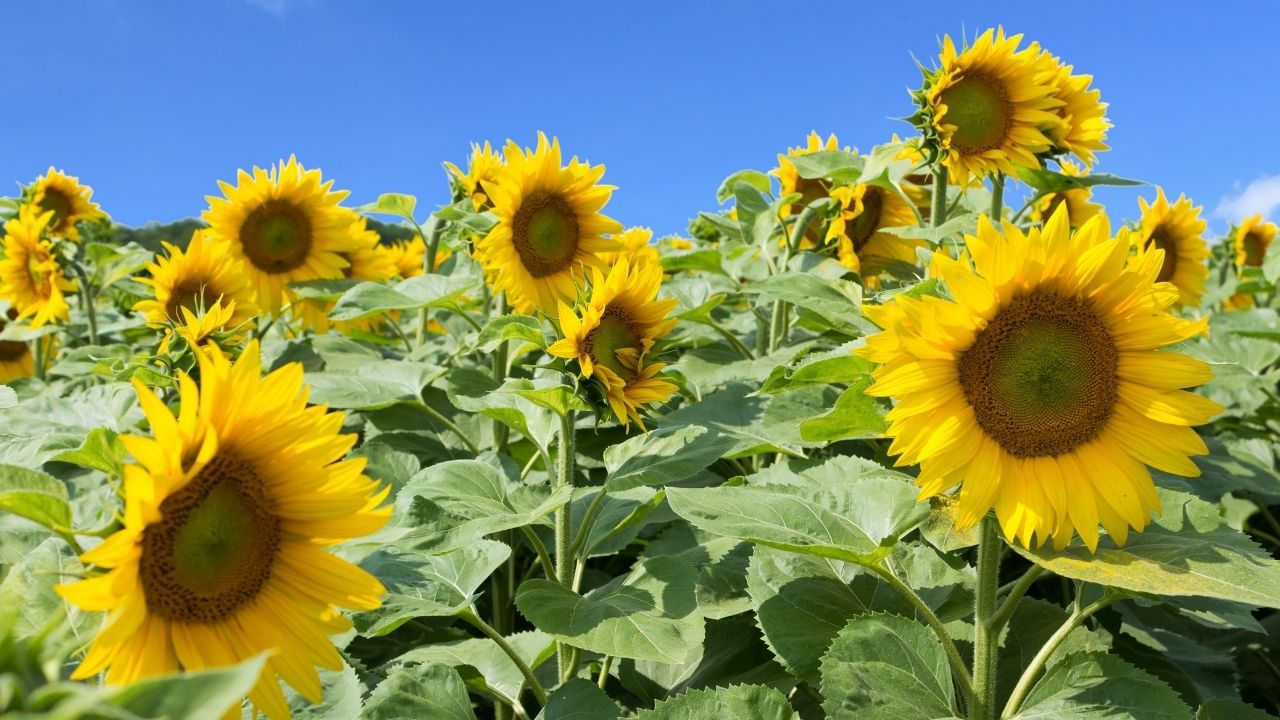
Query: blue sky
[153,102]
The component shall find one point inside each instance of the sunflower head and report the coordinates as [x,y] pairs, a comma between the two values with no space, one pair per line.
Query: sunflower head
[1041,390]
[195,279]
[409,256]
[1077,200]
[217,324]
[1178,232]
[810,189]
[16,360]
[1252,238]
[31,274]
[1083,116]
[637,248]
[857,231]
[284,225]
[550,229]
[484,167]
[227,515]
[68,200]
[367,260]
[986,109]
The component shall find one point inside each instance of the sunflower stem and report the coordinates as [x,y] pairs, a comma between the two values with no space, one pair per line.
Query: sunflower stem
[1017,589]
[501,434]
[451,426]
[985,634]
[470,616]
[435,229]
[563,520]
[938,213]
[997,197]
[38,357]
[86,299]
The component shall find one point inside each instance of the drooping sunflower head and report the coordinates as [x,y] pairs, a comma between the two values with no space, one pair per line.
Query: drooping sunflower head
[68,200]
[986,109]
[284,225]
[1252,238]
[810,189]
[16,360]
[1083,127]
[858,230]
[31,273]
[550,229]
[1178,231]
[484,167]
[1041,389]
[228,512]
[1077,200]
[612,331]
[637,248]
[196,279]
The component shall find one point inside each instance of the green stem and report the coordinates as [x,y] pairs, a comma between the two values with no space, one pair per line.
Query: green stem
[432,238]
[449,424]
[87,300]
[781,319]
[958,667]
[742,349]
[563,520]
[985,635]
[1077,618]
[465,316]
[470,616]
[997,197]
[938,213]
[544,557]
[588,519]
[39,359]
[395,327]
[501,433]
[604,671]
[1017,589]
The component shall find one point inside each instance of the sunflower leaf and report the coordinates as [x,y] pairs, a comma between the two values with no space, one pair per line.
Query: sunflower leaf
[664,455]
[1095,685]
[579,699]
[398,204]
[372,298]
[484,666]
[421,691]
[740,702]
[886,667]
[855,415]
[190,696]
[35,496]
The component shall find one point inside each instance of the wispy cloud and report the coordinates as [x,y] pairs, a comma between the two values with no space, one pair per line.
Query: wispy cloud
[275,7]
[1262,196]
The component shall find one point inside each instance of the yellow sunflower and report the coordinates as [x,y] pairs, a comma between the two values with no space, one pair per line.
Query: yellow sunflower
[408,256]
[16,360]
[1177,230]
[678,243]
[227,516]
[199,326]
[195,279]
[858,231]
[987,107]
[1083,115]
[31,276]
[484,167]
[1252,239]
[638,248]
[1041,389]
[283,225]
[68,200]
[810,189]
[549,229]
[367,260]
[1078,201]
[613,330]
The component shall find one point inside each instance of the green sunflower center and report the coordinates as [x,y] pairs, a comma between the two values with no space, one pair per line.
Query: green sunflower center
[861,228]
[276,236]
[979,108]
[1164,240]
[212,549]
[189,294]
[545,233]
[57,201]
[1255,249]
[615,332]
[1041,376]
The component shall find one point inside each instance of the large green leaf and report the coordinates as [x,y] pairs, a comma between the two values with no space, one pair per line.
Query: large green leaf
[101,450]
[342,697]
[855,415]
[739,702]
[721,563]
[1187,550]
[430,290]
[190,696]
[1030,627]
[473,390]
[579,699]
[733,411]
[427,585]
[28,601]
[371,385]
[484,666]
[35,496]
[886,667]
[664,455]
[1093,685]
[840,366]
[398,204]
[649,614]
[420,691]
[821,299]
[1230,710]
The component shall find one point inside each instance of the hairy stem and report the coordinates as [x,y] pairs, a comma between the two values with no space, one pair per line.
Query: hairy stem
[1077,618]
[986,636]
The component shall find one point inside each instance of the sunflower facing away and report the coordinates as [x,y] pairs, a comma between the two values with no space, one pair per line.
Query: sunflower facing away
[195,279]
[68,200]
[1252,239]
[549,231]
[858,231]
[227,516]
[1041,389]
[283,225]
[15,357]
[612,332]
[988,107]
[1083,115]
[810,189]
[1078,200]
[30,274]
[1177,230]
[485,166]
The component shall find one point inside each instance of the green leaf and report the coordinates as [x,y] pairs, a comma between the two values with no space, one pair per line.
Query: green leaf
[840,366]
[1187,550]
[1231,710]
[1094,685]
[649,614]
[430,290]
[1047,181]
[35,496]
[473,390]
[420,691]
[663,456]
[739,702]
[101,450]
[485,667]
[708,260]
[510,327]
[856,415]
[190,696]
[559,399]
[427,585]
[721,564]
[372,385]
[397,204]
[834,164]
[27,598]
[886,667]
[1033,622]
[1271,263]
[754,178]
[579,699]
[342,697]
[821,299]
[733,411]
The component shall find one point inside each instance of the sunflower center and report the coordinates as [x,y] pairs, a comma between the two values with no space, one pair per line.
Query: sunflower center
[1164,240]
[59,203]
[212,550]
[866,224]
[545,233]
[189,294]
[615,332]
[35,270]
[1254,249]
[1041,376]
[276,236]
[979,108]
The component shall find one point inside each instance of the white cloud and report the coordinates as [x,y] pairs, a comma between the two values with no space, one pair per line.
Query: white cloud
[1262,196]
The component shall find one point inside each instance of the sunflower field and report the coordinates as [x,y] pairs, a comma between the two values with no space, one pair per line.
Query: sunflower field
[914,433]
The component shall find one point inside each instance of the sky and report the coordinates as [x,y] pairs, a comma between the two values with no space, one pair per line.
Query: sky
[152,102]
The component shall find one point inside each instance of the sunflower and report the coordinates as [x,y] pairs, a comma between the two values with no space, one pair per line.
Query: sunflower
[367,260]
[858,230]
[610,334]
[549,227]
[637,244]
[408,256]
[485,166]
[1252,239]
[283,225]
[810,189]
[31,276]
[16,360]
[1082,113]
[1078,200]
[1041,389]
[202,325]
[1177,230]
[68,200]
[226,518]
[195,279]
[987,109]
